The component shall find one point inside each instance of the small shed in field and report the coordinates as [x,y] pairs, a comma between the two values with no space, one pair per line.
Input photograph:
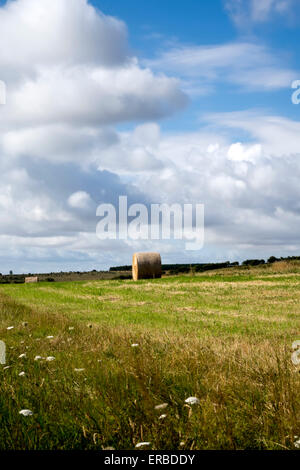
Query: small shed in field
[31,280]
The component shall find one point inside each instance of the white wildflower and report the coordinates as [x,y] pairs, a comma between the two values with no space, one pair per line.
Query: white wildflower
[50,337]
[79,370]
[135,345]
[22,374]
[50,358]
[192,401]
[10,328]
[162,416]
[161,407]
[6,367]
[26,412]
[142,444]
[297,442]
[22,355]
[38,358]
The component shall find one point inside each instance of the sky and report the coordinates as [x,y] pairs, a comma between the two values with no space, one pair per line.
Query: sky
[163,102]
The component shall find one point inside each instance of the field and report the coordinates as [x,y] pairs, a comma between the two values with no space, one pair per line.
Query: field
[121,348]
[65,276]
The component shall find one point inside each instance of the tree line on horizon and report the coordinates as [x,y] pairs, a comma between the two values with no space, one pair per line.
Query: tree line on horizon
[201,267]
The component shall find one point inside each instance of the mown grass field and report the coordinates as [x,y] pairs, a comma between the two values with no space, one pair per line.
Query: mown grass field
[224,337]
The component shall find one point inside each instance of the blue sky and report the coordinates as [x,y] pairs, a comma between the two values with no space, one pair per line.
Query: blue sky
[154,25]
[162,101]
[206,22]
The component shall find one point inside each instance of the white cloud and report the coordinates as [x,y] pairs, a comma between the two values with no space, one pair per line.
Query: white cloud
[51,32]
[277,135]
[134,152]
[250,190]
[70,74]
[205,68]
[60,156]
[251,196]
[80,200]
[238,152]
[68,63]
[245,12]
[57,143]
[92,96]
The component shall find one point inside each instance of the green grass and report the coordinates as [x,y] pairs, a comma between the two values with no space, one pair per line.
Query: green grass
[224,337]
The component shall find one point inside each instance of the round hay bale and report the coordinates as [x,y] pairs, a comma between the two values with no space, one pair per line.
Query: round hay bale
[146,266]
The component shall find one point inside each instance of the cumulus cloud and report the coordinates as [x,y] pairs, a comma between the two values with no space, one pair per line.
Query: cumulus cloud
[80,200]
[71,78]
[92,96]
[238,152]
[134,152]
[69,63]
[250,194]
[250,189]
[57,143]
[57,32]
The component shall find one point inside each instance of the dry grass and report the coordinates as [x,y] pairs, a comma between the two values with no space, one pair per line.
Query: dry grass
[227,343]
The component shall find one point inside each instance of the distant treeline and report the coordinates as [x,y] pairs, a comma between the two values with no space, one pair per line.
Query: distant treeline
[185,268]
[201,267]
[272,259]
[12,279]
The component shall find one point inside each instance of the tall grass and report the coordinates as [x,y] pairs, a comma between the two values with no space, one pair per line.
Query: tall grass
[248,388]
